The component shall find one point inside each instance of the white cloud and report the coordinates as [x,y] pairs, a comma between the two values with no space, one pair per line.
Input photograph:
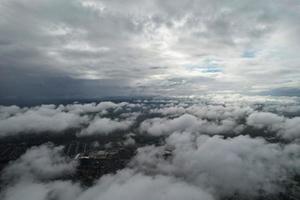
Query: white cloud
[190,123]
[7,111]
[291,128]
[127,185]
[92,107]
[32,176]
[56,119]
[160,126]
[105,126]
[265,120]
[40,119]
[200,165]
[43,162]
[46,162]
[287,128]
[225,166]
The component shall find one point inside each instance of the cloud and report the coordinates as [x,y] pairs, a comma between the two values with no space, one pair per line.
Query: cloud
[221,114]
[291,128]
[210,147]
[287,128]
[201,115]
[46,162]
[124,185]
[159,126]
[265,119]
[133,186]
[89,48]
[39,119]
[32,176]
[7,111]
[129,141]
[200,167]
[239,165]
[43,162]
[205,109]
[105,126]
[190,123]
[101,107]
[56,119]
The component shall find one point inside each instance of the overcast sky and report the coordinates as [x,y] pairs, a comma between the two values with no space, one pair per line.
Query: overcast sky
[89,48]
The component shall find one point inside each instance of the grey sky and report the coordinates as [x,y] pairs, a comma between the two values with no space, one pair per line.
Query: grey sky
[89,48]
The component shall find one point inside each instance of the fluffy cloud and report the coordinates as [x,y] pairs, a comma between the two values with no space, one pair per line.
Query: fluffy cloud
[43,162]
[56,119]
[287,128]
[7,111]
[291,128]
[32,176]
[105,126]
[131,186]
[263,119]
[239,165]
[39,119]
[159,126]
[220,114]
[204,111]
[201,115]
[125,185]
[200,167]
[101,107]
[190,123]
[191,161]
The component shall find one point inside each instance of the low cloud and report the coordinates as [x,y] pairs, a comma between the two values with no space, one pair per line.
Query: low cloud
[104,126]
[39,119]
[43,162]
[57,119]
[232,116]
[215,150]
[239,165]
[190,123]
[205,167]
[287,128]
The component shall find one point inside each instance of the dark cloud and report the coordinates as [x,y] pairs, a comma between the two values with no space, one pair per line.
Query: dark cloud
[116,45]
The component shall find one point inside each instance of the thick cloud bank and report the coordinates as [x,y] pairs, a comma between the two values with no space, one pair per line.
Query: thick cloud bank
[240,147]
[231,116]
[201,167]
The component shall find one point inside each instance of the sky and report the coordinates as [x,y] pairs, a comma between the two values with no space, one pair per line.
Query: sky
[89,48]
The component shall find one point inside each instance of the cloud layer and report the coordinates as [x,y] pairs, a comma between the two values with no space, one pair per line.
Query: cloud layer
[240,147]
[159,117]
[88,48]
